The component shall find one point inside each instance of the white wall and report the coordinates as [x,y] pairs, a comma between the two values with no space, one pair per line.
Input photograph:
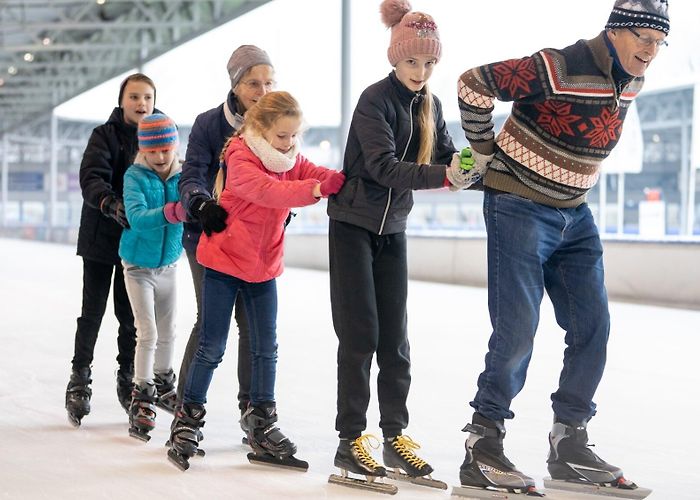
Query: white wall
[645,272]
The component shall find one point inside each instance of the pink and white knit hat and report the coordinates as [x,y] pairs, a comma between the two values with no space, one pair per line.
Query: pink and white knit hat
[412,33]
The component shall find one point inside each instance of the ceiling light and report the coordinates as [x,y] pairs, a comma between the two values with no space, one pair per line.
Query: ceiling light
[46,41]
[2,82]
[100,2]
[28,57]
[12,70]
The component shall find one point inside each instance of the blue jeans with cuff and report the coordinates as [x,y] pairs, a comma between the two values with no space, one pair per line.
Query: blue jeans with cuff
[533,248]
[218,297]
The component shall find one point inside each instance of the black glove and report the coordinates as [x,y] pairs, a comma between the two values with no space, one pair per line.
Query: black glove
[212,217]
[113,208]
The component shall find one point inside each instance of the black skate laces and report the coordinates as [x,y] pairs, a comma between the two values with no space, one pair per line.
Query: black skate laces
[404,446]
[363,447]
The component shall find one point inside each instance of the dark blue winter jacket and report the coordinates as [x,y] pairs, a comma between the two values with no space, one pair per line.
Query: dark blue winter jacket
[209,132]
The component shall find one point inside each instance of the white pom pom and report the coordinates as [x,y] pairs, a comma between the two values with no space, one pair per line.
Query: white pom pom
[392,11]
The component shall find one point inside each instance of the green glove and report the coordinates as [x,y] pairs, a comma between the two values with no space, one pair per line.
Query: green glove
[466,159]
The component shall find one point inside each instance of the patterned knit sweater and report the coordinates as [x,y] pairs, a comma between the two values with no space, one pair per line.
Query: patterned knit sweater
[566,117]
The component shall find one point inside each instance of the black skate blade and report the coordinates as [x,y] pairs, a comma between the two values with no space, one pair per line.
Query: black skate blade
[138,434]
[362,484]
[178,460]
[200,452]
[285,463]
[397,475]
[478,493]
[74,420]
[595,489]
[244,440]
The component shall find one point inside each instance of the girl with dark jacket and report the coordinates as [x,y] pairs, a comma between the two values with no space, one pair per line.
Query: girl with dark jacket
[398,142]
[252,76]
[109,152]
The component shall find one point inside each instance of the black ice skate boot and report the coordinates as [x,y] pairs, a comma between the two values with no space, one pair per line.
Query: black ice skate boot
[355,456]
[571,459]
[185,434]
[78,395]
[125,386]
[485,465]
[398,455]
[269,445]
[167,393]
[142,412]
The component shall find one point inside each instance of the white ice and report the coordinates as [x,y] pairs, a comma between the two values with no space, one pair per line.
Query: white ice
[647,418]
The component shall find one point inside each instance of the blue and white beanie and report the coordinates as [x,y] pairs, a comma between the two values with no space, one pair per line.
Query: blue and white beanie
[157,132]
[651,14]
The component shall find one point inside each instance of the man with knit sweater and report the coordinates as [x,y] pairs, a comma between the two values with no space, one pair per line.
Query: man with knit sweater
[567,114]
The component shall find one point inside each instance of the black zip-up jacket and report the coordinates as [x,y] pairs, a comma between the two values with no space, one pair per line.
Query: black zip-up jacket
[380,158]
[111,149]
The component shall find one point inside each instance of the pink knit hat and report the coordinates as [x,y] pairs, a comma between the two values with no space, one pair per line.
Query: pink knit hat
[412,33]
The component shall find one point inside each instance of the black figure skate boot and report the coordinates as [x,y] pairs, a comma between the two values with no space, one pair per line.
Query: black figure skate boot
[485,465]
[398,455]
[167,393]
[571,459]
[142,412]
[185,434]
[78,395]
[270,446]
[125,387]
[355,456]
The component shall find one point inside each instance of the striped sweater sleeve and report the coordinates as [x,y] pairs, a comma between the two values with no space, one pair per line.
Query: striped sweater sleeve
[509,80]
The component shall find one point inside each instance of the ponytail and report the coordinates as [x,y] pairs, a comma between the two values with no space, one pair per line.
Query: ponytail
[220,180]
[426,121]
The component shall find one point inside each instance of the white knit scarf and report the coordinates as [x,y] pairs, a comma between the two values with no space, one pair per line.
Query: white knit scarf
[272,159]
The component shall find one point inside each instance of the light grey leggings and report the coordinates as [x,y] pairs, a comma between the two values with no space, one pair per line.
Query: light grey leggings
[152,293]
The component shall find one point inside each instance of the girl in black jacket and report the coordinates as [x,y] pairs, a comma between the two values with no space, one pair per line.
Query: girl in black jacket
[109,152]
[398,142]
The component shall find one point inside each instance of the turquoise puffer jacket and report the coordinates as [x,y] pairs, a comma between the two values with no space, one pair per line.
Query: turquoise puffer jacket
[151,241]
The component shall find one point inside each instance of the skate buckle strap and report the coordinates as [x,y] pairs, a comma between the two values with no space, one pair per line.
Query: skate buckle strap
[482,431]
[363,447]
[404,446]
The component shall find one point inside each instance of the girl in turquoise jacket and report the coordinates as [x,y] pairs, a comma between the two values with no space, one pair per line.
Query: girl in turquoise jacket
[149,250]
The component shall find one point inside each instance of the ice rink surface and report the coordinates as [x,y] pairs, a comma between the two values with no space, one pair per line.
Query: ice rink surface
[648,402]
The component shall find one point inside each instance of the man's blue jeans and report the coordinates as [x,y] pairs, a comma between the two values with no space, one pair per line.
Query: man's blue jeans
[533,247]
[218,296]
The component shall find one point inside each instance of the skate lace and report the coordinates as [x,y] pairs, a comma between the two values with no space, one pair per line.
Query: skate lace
[404,446]
[363,447]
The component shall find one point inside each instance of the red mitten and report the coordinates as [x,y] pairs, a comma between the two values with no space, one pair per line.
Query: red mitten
[174,212]
[332,184]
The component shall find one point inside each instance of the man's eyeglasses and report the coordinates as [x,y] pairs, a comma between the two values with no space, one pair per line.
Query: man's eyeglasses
[257,85]
[647,41]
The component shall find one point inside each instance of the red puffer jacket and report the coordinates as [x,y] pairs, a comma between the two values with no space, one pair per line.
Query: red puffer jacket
[257,201]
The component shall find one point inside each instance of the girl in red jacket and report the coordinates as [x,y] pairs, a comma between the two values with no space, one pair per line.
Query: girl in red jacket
[264,176]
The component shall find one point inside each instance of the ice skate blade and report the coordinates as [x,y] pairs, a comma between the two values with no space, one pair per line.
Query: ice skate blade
[421,481]
[74,421]
[178,460]
[594,489]
[362,484]
[285,463]
[200,452]
[478,493]
[143,436]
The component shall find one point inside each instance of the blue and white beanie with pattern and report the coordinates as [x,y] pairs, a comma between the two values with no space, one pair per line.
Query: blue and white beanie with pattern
[651,14]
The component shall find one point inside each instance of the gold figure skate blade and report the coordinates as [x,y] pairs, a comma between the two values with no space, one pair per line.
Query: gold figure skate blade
[596,490]
[351,482]
[420,481]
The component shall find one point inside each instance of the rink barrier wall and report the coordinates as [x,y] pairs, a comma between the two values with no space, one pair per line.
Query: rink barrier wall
[647,272]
